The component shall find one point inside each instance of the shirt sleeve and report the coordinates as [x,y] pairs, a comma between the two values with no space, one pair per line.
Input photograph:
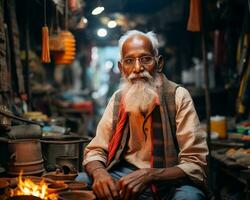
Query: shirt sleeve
[98,147]
[191,139]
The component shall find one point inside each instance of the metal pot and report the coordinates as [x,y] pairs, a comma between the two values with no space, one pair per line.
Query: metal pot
[25,155]
[69,161]
[54,150]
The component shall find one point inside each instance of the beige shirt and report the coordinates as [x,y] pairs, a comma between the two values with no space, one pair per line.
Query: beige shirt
[191,139]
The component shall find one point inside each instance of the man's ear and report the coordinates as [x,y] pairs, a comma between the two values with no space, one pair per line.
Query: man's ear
[120,67]
[160,63]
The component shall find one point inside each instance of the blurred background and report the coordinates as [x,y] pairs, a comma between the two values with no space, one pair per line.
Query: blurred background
[97,25]
[58,68]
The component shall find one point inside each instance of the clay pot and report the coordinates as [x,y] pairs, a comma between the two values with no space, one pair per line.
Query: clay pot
[57,187]
[24,197]
[55,176]
[11,181]
[76,195]
[25,155]
[3,186]
[77,185]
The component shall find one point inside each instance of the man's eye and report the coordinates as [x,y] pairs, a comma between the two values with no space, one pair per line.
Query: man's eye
[128,61]
[146,59]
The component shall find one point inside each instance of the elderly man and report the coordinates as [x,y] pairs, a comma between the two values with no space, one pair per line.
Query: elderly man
[148,144]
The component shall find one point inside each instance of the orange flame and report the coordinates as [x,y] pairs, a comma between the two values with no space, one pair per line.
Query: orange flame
[28,187]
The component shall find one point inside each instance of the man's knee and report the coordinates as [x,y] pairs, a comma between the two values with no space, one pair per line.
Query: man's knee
[188,192]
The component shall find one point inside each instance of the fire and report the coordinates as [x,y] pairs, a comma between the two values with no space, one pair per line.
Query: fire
[28,187]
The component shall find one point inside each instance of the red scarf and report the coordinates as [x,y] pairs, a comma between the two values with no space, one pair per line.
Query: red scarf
[115,140]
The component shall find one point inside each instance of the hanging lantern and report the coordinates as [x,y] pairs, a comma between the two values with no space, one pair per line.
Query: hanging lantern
[64,47]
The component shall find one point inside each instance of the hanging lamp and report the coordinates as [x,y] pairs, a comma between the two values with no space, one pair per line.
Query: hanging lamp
[64,44]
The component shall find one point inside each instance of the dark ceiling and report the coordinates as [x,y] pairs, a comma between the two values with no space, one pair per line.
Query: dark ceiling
[165,17]
[145,15]
[129,6]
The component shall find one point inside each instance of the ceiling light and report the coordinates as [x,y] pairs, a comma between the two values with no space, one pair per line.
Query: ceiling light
[102,32]
[85,20]
[112,24]
[98,10]
[82,23]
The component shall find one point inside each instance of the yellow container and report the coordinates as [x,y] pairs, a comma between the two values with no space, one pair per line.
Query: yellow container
[219,125]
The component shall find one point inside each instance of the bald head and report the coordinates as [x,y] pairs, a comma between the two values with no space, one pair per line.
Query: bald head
[134,33]
[139,55]
[137,44]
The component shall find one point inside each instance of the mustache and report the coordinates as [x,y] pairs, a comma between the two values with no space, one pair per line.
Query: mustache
[144,74]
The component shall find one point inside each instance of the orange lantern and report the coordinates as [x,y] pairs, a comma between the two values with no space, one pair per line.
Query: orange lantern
[64,47]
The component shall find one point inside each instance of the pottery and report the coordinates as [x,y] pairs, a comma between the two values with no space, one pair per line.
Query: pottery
[77,185]
[57,187]
[76,195]
[24,197]
[3,186]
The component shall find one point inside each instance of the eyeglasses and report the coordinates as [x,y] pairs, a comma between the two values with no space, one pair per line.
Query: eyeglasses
[144,60]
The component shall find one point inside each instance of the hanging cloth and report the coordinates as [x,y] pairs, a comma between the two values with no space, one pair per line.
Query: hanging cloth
[194,20]
[45,57]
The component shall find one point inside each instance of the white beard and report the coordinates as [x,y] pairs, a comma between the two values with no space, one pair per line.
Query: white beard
[139,95]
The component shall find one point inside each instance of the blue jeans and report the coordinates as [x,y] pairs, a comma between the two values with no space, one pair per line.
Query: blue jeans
[185,192]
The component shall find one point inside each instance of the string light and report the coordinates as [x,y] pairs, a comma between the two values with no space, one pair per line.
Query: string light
[102,32]
[112,24]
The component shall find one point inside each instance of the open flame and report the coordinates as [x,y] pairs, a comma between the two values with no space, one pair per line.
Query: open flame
[28,187]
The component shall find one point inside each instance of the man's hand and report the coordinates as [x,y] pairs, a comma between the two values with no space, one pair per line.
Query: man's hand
[134,183]
[104,186]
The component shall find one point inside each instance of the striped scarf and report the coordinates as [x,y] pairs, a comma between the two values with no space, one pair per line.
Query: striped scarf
[164,145]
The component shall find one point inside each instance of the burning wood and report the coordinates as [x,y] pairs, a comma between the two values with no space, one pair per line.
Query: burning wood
[26,186]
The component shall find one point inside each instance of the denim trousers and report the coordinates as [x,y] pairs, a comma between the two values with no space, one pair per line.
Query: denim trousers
[184,192]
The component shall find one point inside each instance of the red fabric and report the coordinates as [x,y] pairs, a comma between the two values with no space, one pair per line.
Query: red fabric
[194,20]
[115,140]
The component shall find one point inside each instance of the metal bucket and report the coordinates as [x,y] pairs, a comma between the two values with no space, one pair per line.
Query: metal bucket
[26,156]
[55,152]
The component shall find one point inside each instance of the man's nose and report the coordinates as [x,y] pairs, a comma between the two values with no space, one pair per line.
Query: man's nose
[138,67]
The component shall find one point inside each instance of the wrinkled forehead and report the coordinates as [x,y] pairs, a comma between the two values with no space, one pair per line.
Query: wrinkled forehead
[136,44]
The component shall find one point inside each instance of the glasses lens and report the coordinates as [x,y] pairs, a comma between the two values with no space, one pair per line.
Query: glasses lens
[146,60]
[129,61]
